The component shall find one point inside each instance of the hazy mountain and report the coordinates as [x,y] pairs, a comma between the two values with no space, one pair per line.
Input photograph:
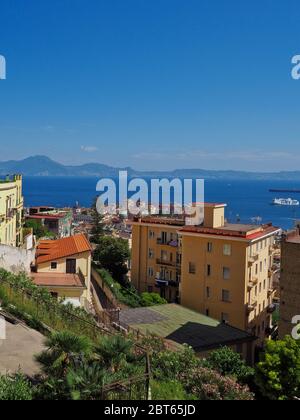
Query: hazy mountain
[43,166]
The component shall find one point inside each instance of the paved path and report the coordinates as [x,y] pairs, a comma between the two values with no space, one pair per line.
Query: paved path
[19,348]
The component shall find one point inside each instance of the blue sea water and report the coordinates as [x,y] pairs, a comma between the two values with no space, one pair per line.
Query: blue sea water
[245,199]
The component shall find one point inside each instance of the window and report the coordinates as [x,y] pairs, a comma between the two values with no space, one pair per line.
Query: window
[192,268]
[225,295]
[151,253]
[54,266]
[150,272]
[207,312]
[54,295]
[260,266]
[227,249]
[209,247]
[151,234]
[208,270]
[208,292]
[226,273]
[225,318]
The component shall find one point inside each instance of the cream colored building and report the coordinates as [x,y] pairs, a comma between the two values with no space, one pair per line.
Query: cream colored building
[11,211]
[218,269]
[63,266]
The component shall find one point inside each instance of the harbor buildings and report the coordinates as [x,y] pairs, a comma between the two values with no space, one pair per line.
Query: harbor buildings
[58,222]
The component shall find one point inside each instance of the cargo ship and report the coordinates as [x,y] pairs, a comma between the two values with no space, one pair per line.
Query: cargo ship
[292,190]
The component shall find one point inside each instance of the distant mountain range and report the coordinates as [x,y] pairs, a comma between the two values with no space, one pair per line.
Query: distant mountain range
[43,166]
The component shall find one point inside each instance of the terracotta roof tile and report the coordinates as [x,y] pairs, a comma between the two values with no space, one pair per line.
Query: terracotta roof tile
[62,248]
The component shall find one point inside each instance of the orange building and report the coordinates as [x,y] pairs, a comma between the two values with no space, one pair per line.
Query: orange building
[219,269]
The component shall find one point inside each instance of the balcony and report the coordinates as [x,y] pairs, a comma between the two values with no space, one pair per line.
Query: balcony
[251,306]
[169,263]
[252,259]
[252,283]
[173,244]
[161,283]
[271,308]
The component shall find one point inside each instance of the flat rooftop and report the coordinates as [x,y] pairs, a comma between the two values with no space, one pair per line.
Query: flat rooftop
[57,280]
[183,326]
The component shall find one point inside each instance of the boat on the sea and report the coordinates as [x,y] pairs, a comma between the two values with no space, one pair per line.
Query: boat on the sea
[285,202]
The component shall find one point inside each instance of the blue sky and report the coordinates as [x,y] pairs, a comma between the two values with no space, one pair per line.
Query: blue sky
[157,84]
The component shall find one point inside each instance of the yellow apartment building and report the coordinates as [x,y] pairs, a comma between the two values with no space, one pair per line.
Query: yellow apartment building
[63,267]
[218,269]
[11,211]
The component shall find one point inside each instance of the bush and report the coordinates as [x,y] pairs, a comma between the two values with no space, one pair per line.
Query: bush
[207,384]
[151,299]
[229,363]
[15,388]
[169,390]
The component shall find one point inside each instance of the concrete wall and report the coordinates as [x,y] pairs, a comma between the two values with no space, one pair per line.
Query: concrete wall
[16,260]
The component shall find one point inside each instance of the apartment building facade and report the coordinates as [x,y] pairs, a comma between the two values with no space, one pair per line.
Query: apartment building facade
[218,269]
[11,211]
[289,283]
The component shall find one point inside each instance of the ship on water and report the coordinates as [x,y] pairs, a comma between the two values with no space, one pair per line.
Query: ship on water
[285,190]
[285,202]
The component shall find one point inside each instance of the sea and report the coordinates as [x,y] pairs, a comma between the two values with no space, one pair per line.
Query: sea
[247,201]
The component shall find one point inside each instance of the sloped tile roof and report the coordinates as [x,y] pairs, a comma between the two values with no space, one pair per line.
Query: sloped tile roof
[62,248]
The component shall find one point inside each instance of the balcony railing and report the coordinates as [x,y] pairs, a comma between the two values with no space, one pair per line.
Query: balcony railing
[253,258]
[251,306]
[173,244]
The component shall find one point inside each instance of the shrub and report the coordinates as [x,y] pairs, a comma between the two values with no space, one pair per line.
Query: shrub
[227,362]
[151,299]
[15,388]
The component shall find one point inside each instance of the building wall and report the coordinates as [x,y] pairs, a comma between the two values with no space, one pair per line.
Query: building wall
[204,293]
[148,256]
[83,263]
[11,212]
[290,287]
[249,281]
[16,260]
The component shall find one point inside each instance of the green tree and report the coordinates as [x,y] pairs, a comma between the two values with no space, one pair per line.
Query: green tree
[115,351]
[98,227]
[112,254]
[39,230]
[278,373]
[229,363]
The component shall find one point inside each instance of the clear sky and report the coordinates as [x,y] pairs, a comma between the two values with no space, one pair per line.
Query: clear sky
[152,84]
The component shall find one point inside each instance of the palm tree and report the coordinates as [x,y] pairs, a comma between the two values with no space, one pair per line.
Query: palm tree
[87,380]
[64,349]
[114,351]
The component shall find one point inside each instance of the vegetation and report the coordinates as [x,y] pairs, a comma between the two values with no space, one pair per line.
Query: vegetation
[128,295]
[278,373]
[98,227]
[81,361]
[39,230]
[15,388]
[38,309]
[112,254]
[229,363]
